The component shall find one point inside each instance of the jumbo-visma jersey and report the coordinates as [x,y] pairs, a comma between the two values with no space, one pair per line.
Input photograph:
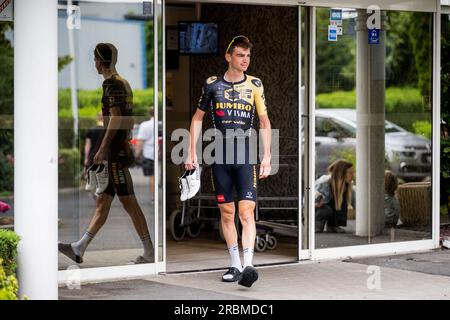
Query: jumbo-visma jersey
[233,104]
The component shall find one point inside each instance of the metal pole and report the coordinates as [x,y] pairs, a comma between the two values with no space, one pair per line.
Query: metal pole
[370,108]
[73,78]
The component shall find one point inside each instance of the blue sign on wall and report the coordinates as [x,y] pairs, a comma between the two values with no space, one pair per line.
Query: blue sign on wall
[374,36]
[332,33]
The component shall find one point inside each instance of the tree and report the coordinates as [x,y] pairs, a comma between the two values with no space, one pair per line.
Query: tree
[401,68]
[335,66]
[420,35]
[445,113]
[7,67]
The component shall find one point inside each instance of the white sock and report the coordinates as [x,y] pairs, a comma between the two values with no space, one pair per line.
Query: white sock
[80,246]
[248,257]
[149,251]
[235,259]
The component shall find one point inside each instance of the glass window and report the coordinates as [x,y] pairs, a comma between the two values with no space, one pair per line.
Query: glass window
[6,125]
[106,135]
[373,198]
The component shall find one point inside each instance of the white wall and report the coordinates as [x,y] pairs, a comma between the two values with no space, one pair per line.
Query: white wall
[126,35]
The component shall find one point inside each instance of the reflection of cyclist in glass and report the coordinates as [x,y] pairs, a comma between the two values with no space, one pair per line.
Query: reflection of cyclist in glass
[117,102]
[233,100]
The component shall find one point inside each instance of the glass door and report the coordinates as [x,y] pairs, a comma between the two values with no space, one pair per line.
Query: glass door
[110,134]
[445,116]
[372,127]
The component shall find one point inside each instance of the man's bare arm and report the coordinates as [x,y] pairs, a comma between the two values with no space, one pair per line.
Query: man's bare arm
[115,121]
[87,147]
[266,135]
[194,134]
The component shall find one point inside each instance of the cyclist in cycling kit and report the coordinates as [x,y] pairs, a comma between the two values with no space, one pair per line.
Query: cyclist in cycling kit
[233,100]
[114,147]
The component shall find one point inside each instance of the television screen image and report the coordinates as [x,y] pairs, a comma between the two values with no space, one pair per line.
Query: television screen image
[198,37]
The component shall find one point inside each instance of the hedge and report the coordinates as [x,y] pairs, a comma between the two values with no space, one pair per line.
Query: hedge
[399,101]
[8,285]
[69,169]
[8,264]
[423,128]
[89,102]
[6,173]
[8,250]
[89,105]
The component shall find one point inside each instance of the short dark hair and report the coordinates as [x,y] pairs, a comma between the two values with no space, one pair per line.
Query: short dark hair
[106,53]
[239,41]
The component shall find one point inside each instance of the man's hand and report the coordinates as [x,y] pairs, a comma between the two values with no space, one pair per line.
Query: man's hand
[100,156]
[191,162]
[265,168]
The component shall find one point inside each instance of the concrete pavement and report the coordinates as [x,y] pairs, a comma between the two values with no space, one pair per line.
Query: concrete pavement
[365,279]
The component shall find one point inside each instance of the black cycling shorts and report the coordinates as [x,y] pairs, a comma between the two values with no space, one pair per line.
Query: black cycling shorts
[241,176]
[120,158]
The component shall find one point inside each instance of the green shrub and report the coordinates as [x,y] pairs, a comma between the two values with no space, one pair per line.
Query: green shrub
[398,100]
[8,285]
[348,154]
[6,173]
[404,106]
[8,251]
[336,100]
[69,168]
[404,100]
[423,128]
[89,102]
[66,131]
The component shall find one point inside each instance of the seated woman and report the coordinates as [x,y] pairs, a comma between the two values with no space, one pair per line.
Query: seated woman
[391,203]
[334,192]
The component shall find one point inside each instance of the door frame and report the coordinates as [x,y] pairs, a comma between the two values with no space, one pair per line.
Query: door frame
[86,275]
[384,248]
[130,271]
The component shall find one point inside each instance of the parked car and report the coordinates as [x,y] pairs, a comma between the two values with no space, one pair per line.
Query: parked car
[406,154]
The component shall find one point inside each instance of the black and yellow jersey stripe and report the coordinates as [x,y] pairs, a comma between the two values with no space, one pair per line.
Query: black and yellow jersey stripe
[233,104]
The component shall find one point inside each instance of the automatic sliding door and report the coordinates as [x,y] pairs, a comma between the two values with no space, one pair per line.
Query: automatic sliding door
[373,125]
[93,94]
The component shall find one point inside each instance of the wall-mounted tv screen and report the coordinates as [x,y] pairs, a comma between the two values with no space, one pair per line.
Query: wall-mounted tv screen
[196,37]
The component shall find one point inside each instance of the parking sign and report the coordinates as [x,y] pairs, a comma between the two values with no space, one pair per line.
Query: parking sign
[332,33]
[374,36]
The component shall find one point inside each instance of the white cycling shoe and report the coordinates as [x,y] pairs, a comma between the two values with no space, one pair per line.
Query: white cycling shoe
[184,187]
[91,183]
[189,183]
[193,181]
[102,177]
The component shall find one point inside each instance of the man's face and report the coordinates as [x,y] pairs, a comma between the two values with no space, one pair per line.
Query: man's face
[98,66]
[239,59]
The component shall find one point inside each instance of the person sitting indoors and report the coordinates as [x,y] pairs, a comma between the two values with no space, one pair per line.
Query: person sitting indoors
[334,193]
[391,203]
